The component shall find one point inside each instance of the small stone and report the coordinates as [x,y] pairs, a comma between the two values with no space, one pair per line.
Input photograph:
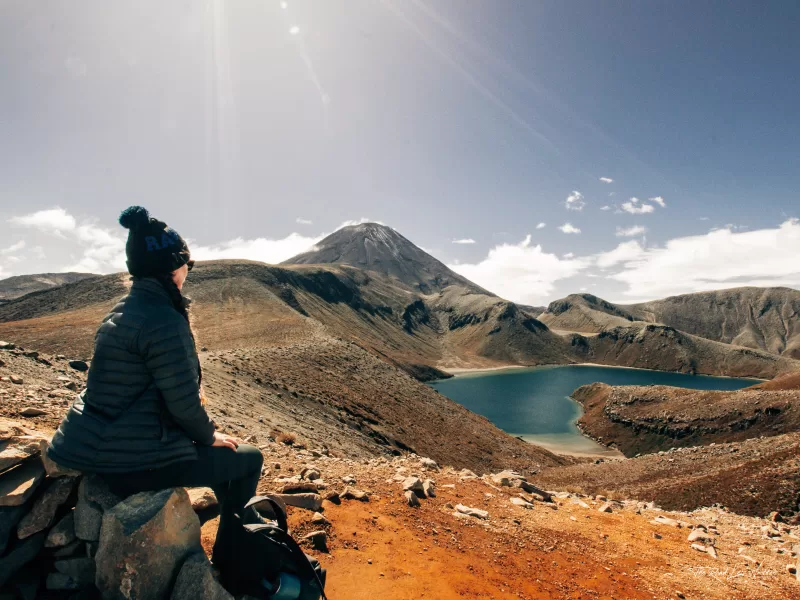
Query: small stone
[605,508]
[71,549]
[428,463]
[349,480]
[79,365]
[18,484]
[414,484]
[303,487]
[698,535]
[196,581]
[318,539]
[429,488]
[472,512]
[44,509]
[63,533]
[202,498]
[662,520]
[521,502]
[411,498]
[7,346]
[319,519]
[312,502]
[32,411]
[310,474]
[333,497]
[354,494]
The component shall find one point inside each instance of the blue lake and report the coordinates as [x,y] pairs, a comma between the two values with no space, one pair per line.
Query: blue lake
[534,403]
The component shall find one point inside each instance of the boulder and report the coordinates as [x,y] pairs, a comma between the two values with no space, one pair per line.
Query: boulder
[94,498]
[144,540]
[312,502]
[18,484]
[44,509]
[202,498]
[63,533]
[310,474]
[605,508]
[429,487]
[196,581]
[472,512]
[54,470]
[333,497]
[19,555]
[504,478]
[411,498]
[698,535]
[72,549]
[9,517]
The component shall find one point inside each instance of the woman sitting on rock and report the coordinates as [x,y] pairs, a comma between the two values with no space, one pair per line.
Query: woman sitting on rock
[140,422]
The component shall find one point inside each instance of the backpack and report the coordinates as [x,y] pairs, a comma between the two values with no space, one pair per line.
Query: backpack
[262,560]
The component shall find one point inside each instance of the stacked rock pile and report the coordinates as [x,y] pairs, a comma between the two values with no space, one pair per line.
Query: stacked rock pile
[64,535]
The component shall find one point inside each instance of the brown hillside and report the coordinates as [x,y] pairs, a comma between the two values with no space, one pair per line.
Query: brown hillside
[641,419]
[19,285]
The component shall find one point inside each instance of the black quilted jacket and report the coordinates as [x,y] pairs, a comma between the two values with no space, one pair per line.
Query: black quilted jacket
[141,407]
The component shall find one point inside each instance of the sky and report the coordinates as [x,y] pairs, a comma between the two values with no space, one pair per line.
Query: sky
[632,150]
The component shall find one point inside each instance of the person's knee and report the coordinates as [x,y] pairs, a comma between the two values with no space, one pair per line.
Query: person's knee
[251,456]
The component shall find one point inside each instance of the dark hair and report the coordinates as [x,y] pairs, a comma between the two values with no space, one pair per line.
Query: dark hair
[178,303]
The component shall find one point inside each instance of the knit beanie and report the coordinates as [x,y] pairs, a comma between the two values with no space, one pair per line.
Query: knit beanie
[153,248]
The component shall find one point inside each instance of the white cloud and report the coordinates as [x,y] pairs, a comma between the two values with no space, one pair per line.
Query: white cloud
[294,30]
[716,260]
[54,220]
[303,221]
[569,255]
[631,231]
[541,226]
[13,248]
[606,207]
[361,221]
[606,180]
[284,5]
[270,251]
[704,219]
[520,272]
[634,208]
[464,241]
[658,200]
[575,201]
[569,228]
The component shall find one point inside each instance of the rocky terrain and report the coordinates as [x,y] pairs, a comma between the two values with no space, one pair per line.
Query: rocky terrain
[641,419]
[19,285]
[389,528]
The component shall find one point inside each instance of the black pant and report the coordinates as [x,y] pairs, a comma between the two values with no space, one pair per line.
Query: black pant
[233,475]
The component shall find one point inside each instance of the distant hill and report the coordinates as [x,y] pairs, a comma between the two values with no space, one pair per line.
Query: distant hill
[763,318]
[19,285]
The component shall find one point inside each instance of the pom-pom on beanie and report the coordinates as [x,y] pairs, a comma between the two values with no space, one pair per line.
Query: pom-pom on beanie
[153,248]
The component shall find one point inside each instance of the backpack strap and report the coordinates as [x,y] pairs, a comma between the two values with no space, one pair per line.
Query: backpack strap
[277,506]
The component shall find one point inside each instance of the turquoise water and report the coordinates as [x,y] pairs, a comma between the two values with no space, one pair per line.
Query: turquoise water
[534,403]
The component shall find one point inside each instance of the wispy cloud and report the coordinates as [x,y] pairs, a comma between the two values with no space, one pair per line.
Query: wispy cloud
[575,201]
[658,200]
[606,180]
[569,228]
[464,241]
[631,231]
[541,226]
[637,207]
[271,251]
[53,220]
[606,207]
[303,221]
[13,248]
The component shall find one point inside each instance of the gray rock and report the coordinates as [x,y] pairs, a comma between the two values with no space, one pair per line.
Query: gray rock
[521,502]
[63,533]
[74,548]
[304,487]
[80,570]
[532,489]
[411,498]
[414,484]
[312,502]
[605,508]
[94,498]
[9,517]
[18,448]
[428,463]
[144,540]
[472,512]
[32,411]
[354,494]
[79,365]
[20,555]
[7,346]
[319,519]
[429,488]
[196,581]
[202,498]
[18,484]
[44,509]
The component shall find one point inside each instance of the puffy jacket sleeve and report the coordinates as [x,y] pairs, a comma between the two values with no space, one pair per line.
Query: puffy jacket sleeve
[167,346]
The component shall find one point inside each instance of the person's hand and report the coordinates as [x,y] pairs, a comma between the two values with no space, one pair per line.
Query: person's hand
[225,441]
